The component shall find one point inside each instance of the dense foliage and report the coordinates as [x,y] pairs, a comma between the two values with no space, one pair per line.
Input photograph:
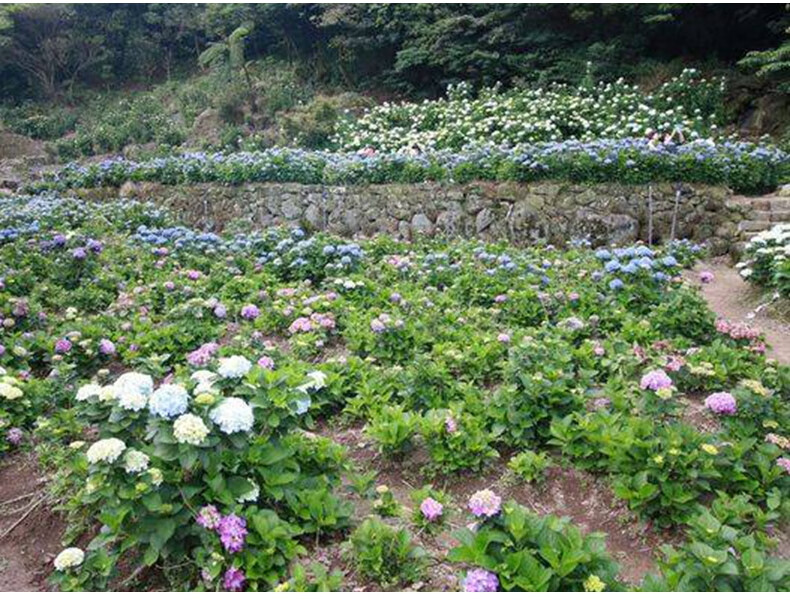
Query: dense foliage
[766,260]
[178,381]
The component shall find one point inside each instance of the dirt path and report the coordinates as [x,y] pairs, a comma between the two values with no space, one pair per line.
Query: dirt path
[26,553]
[733,299]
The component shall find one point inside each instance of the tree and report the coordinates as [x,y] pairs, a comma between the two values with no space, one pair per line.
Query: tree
[43,41]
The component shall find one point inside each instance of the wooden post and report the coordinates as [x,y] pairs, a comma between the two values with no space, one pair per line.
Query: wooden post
[650,214]
[675,213]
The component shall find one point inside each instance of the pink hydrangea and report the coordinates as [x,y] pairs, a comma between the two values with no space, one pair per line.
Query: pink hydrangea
[706,277]
[485,503]
[202,356]
[655,380]
[784,463]
[209,517]
[431,509]
[722,403]
[503,337]
[266,362]
[302,324]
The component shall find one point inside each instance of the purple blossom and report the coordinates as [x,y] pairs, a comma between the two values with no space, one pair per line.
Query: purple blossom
[209,517]
[480,580]
[232,530]
[266,362]
[79,253]
[2,349]
[170,286]
[706,277]
[431,509]
[250,312]
[106,347]
[14,436]
[202,356]
[485,503]
[220,311]
[504,338]
[193,275]
[722,403]
[655,380]
[234,579]
[450,425]
[62,346]
[602,403]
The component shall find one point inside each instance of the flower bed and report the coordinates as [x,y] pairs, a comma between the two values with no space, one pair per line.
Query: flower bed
[745,167]
[766,259]
[189,393]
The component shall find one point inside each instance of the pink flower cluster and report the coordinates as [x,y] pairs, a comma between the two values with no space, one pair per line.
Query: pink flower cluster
[722,403]
[431,509]
[655,380]
[737,331]
[480,580]
[203,355]
[706,277]
[313,322]
[784,463]
[485,503]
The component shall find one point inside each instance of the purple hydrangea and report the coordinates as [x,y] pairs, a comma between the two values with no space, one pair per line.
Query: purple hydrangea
[504,338]
[480,580]
[485,503]
[106,347]
[250,312]
[234,579]
[79,253]
[655,380]
[202,356]
[220,311]
[62,346]
[722,403]
[232,531]
[266,362]
[209,517]
[14,436]
[431,509]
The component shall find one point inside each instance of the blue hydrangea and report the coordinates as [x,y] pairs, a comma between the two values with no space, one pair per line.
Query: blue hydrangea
[669,261]
[615,284]
[169,401]
[612,266]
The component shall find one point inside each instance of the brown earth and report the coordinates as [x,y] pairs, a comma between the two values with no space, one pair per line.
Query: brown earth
[27,552]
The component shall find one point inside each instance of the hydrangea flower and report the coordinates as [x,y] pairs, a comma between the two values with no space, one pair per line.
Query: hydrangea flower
[69,558]
[233,415]
[134,382]
[106,347]
[480,580]
[135,461]
[431,509]
[209,517]
[14,436]
[190,429]
[107,450]
[232,531]
[593,583]
[250,312]
[234,367]
[132,401]
[233,580]
[655,380]
[722,403]
[784,463]
[706,277]
[87,391]
[485,503]
[266,362]
[62,346]
[168,401]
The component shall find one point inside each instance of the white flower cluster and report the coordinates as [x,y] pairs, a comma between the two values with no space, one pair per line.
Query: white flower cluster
[135,461]
[9,388]
[168,401]
[233,415]
[234,367]
[69,558]
[766,254]
[132,390]
[190,429]
[560,112]
[107,450]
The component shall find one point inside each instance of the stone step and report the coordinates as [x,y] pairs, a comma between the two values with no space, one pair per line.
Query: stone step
[754,226]
[774,216]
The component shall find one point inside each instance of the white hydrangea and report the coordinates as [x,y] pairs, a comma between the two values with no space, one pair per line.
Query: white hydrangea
[168,401]
[88,391]
[315,381]
[135,461]
[205,381]
[233,415]
[252,495]
[234,367]
[107,450]
[132,401]
[10,391]
[156,476]
[190,429]
[69,558]
[133,382]
[107,393]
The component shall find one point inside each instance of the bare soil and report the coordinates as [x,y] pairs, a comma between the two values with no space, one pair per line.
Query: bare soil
[26,554]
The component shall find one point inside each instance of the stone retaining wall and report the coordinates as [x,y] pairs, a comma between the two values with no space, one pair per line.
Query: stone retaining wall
[521,213]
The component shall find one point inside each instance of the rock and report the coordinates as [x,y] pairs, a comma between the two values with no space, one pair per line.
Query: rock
[421,224]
